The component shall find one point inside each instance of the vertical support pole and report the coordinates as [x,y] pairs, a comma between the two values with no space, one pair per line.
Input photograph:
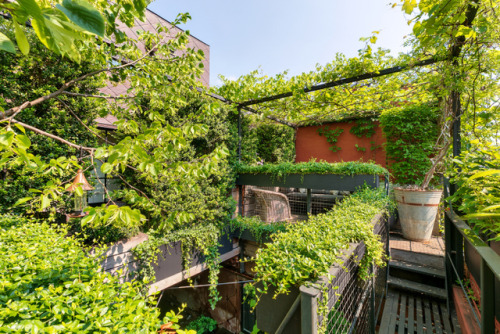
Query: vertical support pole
[448,247]
[373,318]
[241,194]
[309,201]
[239,133]
[458,244]
[457,144]
[309,310]
[487,299]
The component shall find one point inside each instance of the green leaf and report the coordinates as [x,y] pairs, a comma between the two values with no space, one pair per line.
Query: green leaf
[485,173]
[6,44]
[22,200]
[31,8]
[106,168]
[409,5]
[84,15]
[44,202]
[22,41]
[23,141]
[6,138]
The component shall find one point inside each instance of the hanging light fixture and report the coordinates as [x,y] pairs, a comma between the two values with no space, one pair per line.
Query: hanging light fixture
[80,199]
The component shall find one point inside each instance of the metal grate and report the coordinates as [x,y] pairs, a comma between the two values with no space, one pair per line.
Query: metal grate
[354,304]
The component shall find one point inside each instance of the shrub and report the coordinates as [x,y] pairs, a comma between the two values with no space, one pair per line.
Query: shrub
[48,284]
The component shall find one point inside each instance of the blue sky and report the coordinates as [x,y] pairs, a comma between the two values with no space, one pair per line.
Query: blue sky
[278,35]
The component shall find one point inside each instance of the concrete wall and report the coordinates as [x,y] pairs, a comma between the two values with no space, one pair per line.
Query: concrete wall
[309,144]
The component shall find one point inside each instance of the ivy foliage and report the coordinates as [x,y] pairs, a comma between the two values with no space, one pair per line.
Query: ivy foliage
[202,240]
[266,142]
[359,99]
[411,134]
[25,78]
[312,167]
[49,284]
[260,230]
[332,137]
[307,249]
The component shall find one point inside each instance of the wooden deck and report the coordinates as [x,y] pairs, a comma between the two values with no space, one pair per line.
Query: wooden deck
[408,313]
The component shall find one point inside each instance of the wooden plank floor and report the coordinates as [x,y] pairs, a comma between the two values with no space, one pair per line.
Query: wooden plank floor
[408,313]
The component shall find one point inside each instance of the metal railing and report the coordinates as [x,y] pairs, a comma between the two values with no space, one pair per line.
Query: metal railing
[457,232]
[353,304]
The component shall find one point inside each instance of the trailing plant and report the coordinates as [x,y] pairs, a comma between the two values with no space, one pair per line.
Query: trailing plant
[332,137]
[256,226]
[411,134]
[307,249]
[50,284]
[312,167]
[200,240]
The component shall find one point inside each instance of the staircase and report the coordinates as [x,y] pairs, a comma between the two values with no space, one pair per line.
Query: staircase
[417,272]
[415,302]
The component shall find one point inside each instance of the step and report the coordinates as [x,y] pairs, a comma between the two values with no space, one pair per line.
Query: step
[429,260]
[417,268]
[417,287]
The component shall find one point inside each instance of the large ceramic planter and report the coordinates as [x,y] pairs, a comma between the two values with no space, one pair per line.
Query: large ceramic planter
[417,212]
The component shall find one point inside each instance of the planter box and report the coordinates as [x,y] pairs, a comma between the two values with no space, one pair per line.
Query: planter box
[168,269]
[310,181]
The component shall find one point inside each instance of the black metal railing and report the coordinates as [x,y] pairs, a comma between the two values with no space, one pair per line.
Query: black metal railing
[458,235]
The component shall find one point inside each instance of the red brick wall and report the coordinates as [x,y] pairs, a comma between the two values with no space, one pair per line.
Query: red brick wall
[309,144]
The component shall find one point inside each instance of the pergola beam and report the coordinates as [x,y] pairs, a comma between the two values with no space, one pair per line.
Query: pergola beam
[361,77]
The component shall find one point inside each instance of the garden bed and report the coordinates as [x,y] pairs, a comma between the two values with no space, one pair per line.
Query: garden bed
[348,176]
[169,268]
[310,181]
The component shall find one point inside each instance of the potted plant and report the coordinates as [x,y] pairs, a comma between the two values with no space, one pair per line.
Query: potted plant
[203,325]
[411,137]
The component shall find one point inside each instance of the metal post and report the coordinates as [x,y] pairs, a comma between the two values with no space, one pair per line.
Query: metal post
[447,263]
[487,299]
[373,318]
[239,133]
[309,310]
[309,201]
[457,145]
[241,193]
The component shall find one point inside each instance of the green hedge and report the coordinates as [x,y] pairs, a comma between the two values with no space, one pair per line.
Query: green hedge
[48,284]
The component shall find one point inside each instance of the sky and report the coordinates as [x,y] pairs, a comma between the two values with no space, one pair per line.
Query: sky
[279,35]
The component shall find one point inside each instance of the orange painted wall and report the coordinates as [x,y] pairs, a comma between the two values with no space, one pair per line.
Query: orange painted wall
[309,144]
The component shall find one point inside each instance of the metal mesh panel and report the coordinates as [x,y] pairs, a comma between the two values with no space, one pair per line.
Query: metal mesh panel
[353,303]
[321,200]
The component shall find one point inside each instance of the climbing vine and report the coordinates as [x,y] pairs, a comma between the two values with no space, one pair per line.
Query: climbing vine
[332,137]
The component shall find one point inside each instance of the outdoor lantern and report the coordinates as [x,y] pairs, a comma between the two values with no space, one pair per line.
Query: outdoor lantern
[80,199]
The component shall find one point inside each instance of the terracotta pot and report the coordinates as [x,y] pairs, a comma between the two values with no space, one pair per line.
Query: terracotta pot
[417,212]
